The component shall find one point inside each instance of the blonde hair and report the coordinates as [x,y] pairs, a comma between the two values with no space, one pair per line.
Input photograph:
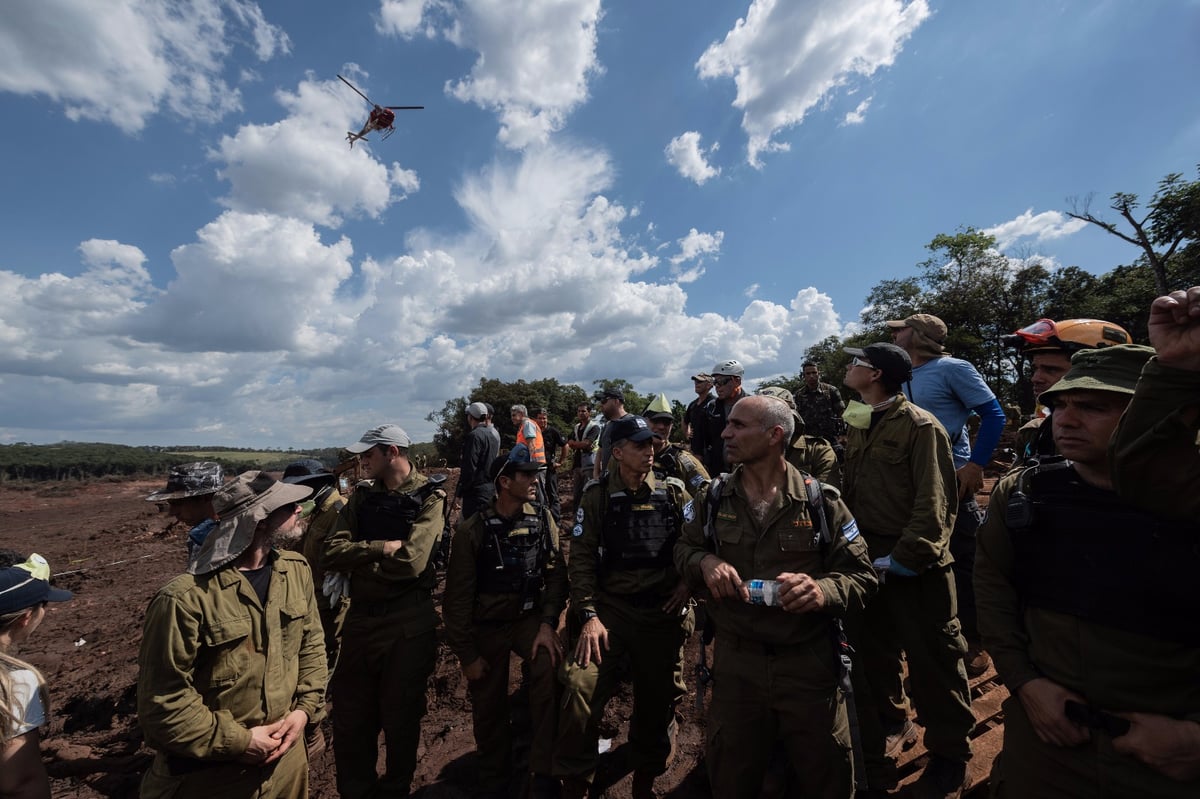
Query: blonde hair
[8,664]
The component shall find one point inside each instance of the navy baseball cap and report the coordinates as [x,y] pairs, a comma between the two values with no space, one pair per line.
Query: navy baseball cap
[27,585]
[631,428]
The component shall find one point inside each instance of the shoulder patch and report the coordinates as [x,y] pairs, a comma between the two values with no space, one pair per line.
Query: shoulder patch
[689,511]
[577,531]
[850,530]
[579,514]
[696,480]
[676,482]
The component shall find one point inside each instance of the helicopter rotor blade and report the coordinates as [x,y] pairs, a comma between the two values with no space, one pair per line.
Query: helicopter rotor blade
[405,107]
[352,86]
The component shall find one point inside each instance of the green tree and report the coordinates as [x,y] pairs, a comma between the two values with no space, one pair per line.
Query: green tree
[1159,229]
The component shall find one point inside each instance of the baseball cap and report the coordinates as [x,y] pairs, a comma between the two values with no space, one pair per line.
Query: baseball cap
[729,369]
[28,584]
[631,428]
[384,434]
[925,323]
[1114,369]
[477,410]
[702,377]
[612,393]
[887,358]
[517,460]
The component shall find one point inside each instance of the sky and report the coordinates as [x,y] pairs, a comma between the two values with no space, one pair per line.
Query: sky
[191,253]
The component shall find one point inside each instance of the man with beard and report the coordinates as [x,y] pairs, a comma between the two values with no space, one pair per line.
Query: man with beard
[232,665]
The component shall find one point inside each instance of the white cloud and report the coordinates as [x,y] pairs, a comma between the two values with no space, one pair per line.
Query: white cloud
[859,113]
[534,62]
[302,167]
[751,291]
[696,244]
[122,61]
[787,57]
[405,17]
[1046,226]
[270,335]
[684,153]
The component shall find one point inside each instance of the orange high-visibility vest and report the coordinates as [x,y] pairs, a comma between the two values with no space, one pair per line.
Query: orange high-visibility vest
[530,435]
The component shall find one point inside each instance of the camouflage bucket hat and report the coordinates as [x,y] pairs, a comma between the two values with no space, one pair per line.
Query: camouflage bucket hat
[245,502]
[190,480]
[1113,369]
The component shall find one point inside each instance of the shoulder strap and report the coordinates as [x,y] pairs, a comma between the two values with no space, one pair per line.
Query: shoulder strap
[712,501]
[816,507]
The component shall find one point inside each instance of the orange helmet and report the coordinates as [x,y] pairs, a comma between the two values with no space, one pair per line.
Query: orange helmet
[1072,335]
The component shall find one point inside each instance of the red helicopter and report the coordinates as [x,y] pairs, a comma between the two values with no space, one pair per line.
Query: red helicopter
[381,117]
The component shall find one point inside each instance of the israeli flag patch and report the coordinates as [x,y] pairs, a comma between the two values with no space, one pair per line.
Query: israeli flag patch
[689,511]
[696,480]
[850,530]
[577,531]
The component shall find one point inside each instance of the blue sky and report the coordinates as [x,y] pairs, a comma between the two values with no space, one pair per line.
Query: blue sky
[192,254]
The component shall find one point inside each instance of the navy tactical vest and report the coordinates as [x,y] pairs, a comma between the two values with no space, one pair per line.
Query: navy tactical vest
[640,535]
[514,555]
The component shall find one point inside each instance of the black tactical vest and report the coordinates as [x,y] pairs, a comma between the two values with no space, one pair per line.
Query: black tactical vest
[640,535]
[667,464]
[384,516]
[514,555]
[1083,551]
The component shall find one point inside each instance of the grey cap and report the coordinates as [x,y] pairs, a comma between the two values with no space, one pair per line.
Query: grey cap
[477,410]
[190,480]
[384,434]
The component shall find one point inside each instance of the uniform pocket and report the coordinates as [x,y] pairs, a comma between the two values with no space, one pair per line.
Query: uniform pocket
[291,626]
[229,639]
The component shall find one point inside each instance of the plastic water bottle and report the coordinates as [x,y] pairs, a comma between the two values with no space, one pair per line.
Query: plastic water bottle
[763,592]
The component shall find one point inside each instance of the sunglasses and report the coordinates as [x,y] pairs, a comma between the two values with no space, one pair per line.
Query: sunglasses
[864,364]
[722,381]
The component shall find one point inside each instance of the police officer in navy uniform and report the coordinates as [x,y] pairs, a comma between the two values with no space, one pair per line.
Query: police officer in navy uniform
[630,601]
[1089,607]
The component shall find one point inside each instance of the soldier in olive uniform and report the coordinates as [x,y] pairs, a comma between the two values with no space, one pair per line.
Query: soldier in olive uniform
[776,669]
[812,455]
[900,484]
[506,586]
[1156,450]
[821,405]
[232,666]
[384,538]
[670,459]
[1088,605]
[631,602]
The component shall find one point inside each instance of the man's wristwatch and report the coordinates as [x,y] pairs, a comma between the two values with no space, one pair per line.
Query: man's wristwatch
[587,615]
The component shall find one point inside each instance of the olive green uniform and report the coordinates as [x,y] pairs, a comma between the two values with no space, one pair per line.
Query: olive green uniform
[214,663]
[1112,669]
[900,485]
[490,626]
[676,461]
[1156,450]
[629,604]
[814,456]
[321,525]
[776,674]
[389,646]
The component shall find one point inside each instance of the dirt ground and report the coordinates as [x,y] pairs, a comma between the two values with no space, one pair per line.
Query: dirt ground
[114,550]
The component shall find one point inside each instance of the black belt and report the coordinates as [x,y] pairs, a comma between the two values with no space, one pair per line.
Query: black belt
[179,765]
[411,599]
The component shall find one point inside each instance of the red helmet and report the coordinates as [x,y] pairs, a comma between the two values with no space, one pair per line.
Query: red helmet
[1072,335]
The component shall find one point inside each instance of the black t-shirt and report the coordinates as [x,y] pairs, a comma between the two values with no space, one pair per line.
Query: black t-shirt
[260,580]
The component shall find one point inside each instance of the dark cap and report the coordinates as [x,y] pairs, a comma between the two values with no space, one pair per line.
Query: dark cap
[517,460]
[631,428]
[307,471]
[28,585]
[887,358]
[612,393]
[190,480]
[391,434]
[1114,369]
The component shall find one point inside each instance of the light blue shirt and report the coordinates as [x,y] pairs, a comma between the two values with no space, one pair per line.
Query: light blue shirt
[949,388]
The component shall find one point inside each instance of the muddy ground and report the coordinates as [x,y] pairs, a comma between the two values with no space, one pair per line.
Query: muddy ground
[114,550]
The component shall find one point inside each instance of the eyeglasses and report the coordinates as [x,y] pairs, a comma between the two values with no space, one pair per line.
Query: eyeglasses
[864,364]
[722,381]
